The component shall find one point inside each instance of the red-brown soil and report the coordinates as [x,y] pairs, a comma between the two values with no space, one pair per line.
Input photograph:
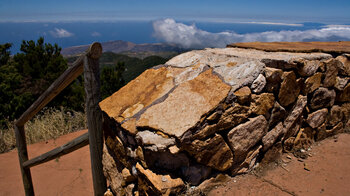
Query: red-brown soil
[67,175]
[327,47]
[325,172]
[329,172]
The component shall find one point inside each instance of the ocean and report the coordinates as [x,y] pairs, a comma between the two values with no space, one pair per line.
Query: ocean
[67,34]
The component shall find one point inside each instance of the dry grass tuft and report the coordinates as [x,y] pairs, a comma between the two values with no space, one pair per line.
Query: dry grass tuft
[49,124]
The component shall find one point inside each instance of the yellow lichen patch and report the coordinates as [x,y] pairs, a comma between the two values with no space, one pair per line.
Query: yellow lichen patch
[231,64]
[131,111]
[143,91]
[197,65]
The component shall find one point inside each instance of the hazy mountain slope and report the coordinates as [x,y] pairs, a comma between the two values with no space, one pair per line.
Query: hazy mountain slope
[127,48]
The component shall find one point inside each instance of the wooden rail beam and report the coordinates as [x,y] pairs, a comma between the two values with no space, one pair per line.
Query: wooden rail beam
[94,115]
[69,147]
[56,87]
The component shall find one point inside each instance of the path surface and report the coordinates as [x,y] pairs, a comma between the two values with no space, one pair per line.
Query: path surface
[68,175]
[329,173]
[327,47]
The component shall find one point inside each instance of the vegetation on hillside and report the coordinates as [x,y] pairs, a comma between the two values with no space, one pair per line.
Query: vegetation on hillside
[26,75]
[133,66]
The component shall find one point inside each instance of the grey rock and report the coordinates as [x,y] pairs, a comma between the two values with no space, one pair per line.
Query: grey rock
[277,114]
[293,117]
[335,115]
[317,118]
[308,68]
[322,98]
[148,138]
[331,72]
[194,174]
[271,137]
[258,84]
[340,83]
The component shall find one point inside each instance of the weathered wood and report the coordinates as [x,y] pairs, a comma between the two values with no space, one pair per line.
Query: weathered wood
[56,87]
[69,147]
[94,115]
[22,157]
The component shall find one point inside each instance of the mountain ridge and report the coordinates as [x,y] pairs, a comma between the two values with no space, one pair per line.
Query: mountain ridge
[120,46]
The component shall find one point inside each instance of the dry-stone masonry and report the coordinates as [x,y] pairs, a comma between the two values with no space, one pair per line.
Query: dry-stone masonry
[214,111]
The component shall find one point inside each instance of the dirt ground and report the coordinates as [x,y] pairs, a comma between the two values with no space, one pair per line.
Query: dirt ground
[327,47]
[326,172]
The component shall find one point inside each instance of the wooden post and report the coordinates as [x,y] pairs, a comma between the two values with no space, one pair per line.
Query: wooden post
[94,115]
[22,157]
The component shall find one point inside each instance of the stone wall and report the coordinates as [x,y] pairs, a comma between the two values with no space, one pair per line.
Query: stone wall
[217,111]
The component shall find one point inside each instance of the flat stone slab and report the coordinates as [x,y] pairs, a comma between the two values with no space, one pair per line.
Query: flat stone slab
[183,107]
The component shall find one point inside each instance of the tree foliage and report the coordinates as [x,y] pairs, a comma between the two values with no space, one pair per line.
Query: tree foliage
[112,79]
[28,74]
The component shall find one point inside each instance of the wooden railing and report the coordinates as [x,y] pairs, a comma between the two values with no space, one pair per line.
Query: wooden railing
[89,64]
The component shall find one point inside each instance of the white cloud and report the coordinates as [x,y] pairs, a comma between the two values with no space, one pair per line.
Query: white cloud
[61,33]
[189,36]
[95,34]
[274,23]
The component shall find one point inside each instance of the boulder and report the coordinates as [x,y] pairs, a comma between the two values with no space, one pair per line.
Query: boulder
[262,103]
[341,82]
[277,114]
[289,90]
[324,133]
[331,72]
[112,173]
[148,138]
[151,183]
[308,68]
[245,136]
[335,115]
[258,84]
[312,83]
[344,68]
[322,98]
[271,137]
[273,75]
[231,117]
[248,162]
[344,96]
[243,95]
[290,123]
[317,118]
[194,174]
[213,152]
[273,78]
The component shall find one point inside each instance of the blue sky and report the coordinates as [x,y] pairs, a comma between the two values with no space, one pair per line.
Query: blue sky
[329,12]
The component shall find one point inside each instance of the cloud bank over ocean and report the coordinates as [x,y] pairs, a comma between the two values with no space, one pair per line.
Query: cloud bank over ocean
[61,33]
[189,36]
